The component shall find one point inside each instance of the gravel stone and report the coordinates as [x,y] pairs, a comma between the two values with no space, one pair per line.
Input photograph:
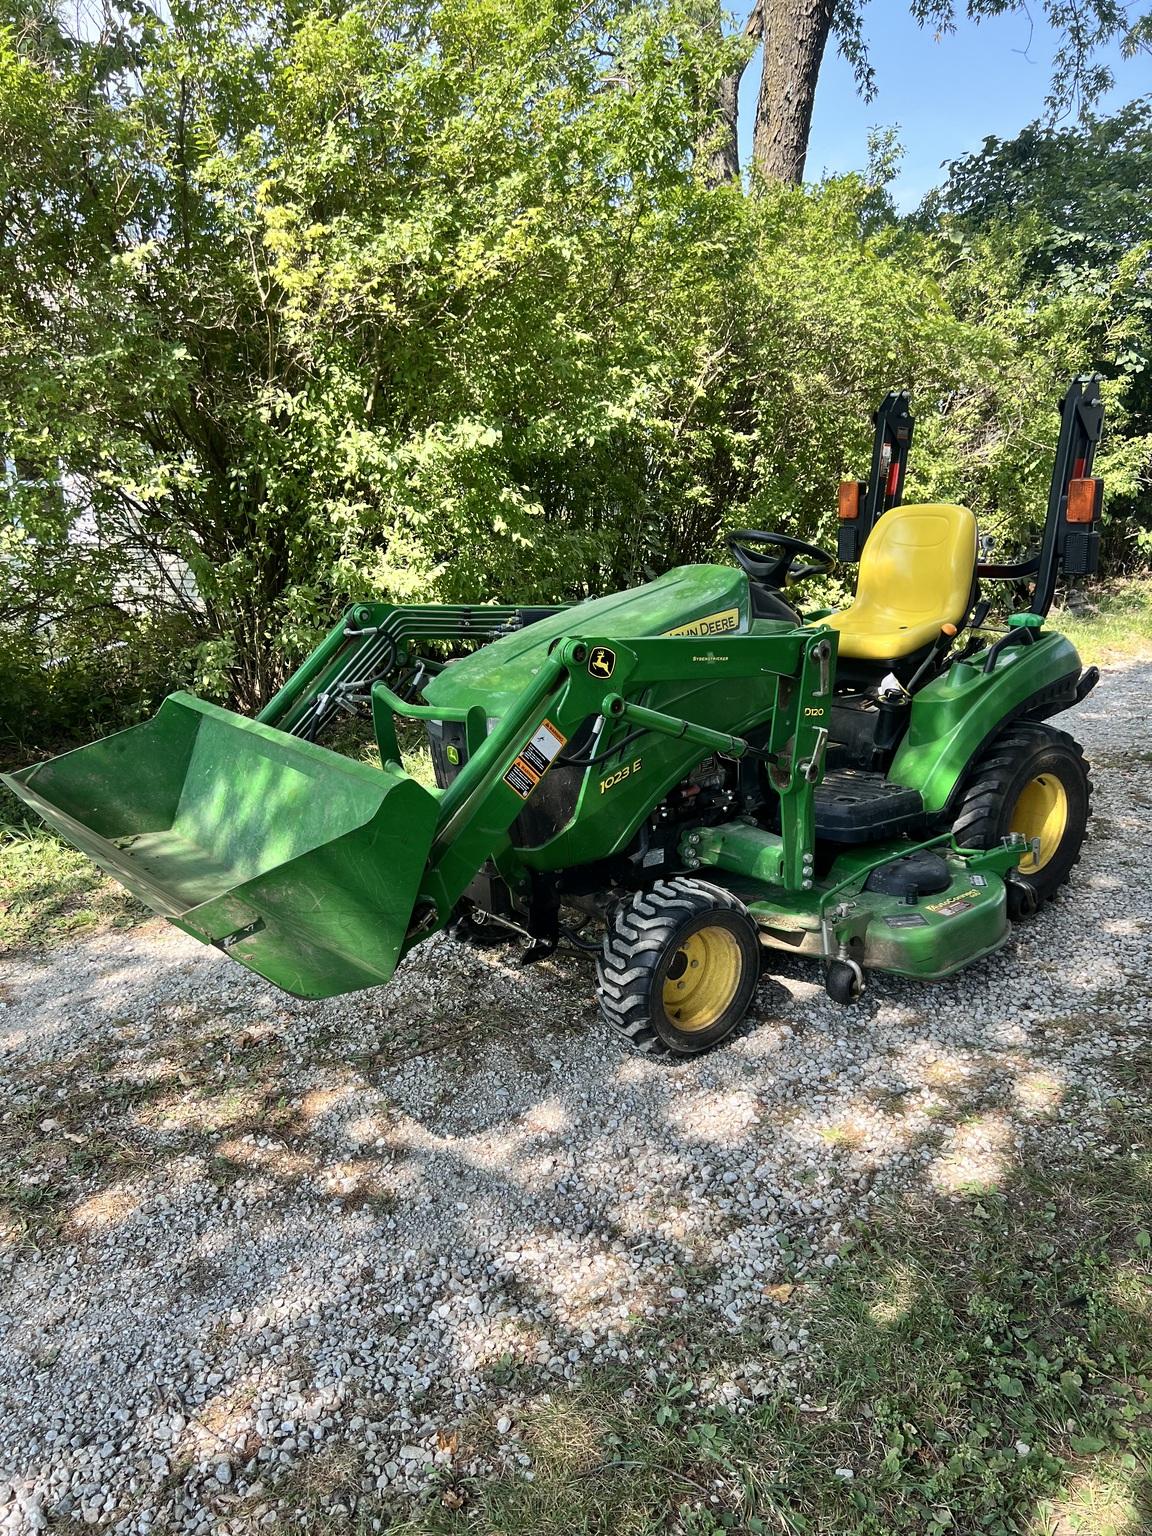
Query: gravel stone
[286,1231]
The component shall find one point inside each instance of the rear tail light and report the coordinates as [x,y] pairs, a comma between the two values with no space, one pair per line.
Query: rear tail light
[1083,500]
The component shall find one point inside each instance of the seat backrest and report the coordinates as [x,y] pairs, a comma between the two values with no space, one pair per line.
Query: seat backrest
[918,564]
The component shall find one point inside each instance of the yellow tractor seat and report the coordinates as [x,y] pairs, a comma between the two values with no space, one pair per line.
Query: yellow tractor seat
[916,574]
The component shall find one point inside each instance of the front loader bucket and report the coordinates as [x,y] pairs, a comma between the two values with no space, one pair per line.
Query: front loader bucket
[303,865]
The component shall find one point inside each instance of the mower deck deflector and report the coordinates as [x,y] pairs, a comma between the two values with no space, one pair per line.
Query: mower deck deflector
[303,865]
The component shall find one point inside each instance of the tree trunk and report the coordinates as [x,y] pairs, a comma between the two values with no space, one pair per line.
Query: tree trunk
[724,151]
[724,148]
[795,36]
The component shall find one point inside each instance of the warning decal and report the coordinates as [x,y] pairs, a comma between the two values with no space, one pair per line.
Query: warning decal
[711,624]
[534,760]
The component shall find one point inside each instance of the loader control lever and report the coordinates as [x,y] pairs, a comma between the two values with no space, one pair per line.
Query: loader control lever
[778,573]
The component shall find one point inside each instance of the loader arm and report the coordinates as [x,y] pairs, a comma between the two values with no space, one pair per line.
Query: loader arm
[377,641]
[794,666]
[318,872]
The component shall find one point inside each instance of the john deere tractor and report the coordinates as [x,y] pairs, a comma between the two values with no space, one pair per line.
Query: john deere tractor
[698,767]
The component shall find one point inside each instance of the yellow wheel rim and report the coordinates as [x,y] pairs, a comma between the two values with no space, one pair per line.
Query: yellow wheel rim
[703,979]
[1041,811]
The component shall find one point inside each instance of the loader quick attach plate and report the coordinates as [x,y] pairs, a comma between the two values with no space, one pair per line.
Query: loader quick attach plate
[303,865]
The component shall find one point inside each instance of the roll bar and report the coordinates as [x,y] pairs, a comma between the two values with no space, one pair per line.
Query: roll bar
[861,503]
[1071,539]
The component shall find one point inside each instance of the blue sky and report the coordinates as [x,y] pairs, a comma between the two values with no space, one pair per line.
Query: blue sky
[946,97]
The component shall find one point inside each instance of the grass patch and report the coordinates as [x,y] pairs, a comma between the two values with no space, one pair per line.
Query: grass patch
[1117,625]
[29,1215]
[984,1365]
[323,1491]
[49,893]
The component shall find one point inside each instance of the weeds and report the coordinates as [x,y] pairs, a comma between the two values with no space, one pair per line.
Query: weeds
[981,1364]
[1117,624]
[50,894]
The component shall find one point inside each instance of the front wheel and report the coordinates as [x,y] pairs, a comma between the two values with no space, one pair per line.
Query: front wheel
[1032,780]
[679,966]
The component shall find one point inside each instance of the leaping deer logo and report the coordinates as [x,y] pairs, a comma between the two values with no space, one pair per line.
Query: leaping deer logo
[602,661]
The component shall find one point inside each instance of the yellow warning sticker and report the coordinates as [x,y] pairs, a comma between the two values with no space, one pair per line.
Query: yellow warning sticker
[534,760]
[722,623]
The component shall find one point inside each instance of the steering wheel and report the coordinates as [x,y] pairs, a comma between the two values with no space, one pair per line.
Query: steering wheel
[778,573]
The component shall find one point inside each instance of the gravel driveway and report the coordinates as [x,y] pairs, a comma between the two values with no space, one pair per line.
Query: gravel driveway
[256,1240]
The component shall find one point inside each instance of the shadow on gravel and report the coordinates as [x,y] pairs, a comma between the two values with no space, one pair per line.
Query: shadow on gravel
[281,1142]
[981,1363]
[839,1273]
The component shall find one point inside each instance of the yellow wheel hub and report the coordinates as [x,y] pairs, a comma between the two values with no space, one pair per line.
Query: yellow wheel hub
[703,979]
[1041,811]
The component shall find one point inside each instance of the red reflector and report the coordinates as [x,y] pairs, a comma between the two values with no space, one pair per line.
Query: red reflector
[893,480]
[1078,469]
[849,500]
[1083,499]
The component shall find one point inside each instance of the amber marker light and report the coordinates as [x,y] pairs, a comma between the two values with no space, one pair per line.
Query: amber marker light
[1083,498]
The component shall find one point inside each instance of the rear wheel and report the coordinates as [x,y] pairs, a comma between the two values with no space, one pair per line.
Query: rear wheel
[1032,780]
[679,966]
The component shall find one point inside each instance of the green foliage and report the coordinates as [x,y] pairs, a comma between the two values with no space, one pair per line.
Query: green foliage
[1116,624]
[351,300]
[1046,239]
[428,299]
[76,662]
[1086,186]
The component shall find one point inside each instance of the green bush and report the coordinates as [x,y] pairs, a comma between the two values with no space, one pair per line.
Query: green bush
[91,680]
[430,301]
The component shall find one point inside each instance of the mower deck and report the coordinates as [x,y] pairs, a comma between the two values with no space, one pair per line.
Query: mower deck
[927,938]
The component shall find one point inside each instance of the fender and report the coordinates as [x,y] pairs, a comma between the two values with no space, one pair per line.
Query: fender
[955,716]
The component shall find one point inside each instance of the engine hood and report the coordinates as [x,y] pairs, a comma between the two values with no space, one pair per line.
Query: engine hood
[714,597]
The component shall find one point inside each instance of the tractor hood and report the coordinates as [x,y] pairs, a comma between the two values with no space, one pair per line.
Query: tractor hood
[693,599]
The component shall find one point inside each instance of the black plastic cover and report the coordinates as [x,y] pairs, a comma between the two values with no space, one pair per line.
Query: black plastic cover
[915,874]
[855,806]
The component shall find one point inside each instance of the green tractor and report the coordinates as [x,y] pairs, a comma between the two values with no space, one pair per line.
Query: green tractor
[697,765]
